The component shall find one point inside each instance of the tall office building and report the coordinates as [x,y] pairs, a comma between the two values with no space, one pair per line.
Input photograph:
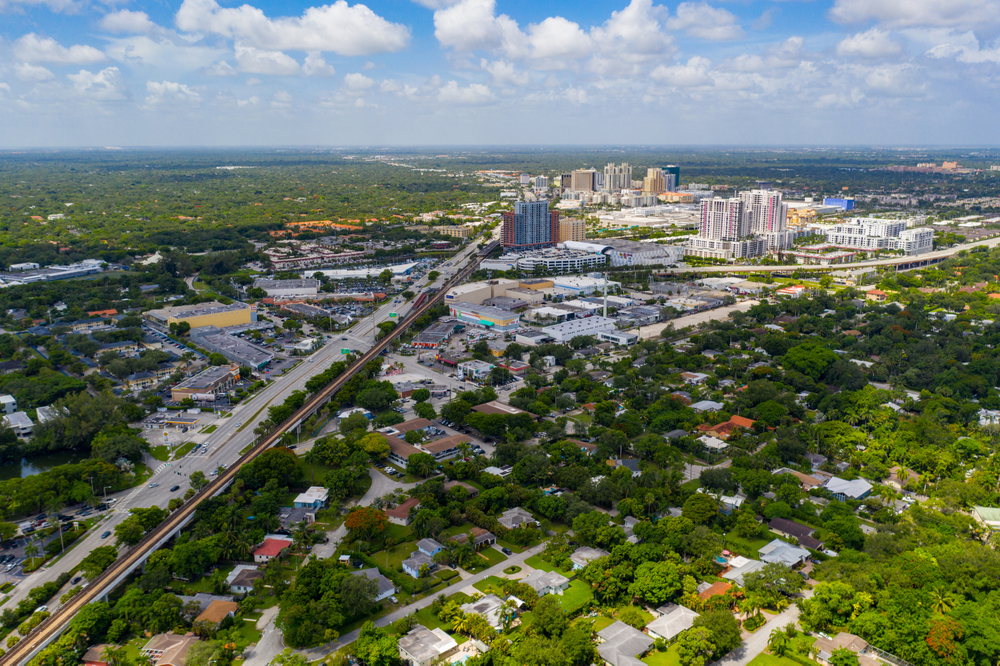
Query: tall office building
[672,173]
[654,182]
[541,182]
[724,219]
[566,181]
[617,178]
[530,226]
[584,180]
[768,217]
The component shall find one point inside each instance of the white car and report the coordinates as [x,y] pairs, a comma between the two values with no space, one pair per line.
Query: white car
[153,485]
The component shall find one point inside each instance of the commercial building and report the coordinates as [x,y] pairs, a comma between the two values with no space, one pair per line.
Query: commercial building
[464,231]
[205,314]
[484,315]
[622,252]
[235,349]
[530,226]
[474,370]
[478,292]
[585,180]
[288,288]
[572,229]
[208,382]
[434,335]
[588,326]
[845,203]
[584,286]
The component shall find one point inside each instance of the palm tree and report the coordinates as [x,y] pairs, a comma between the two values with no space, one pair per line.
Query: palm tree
[311,458]
[114,656]
[942,600]
[31,549]
[52,507]
[777,641]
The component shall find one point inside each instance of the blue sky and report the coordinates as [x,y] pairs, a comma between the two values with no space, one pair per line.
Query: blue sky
[401,72]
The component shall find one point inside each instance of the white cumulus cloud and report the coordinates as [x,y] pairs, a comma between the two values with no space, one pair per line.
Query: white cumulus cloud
[874,43]
[702,20]
[36,73]
[692,74]
[475,93]
[35,49]
[168,91]
[257,61]
[338,27]
[281,100]
[67,6]
[126,21]
[315,65]
[358,82]
[107,85]
[911,13]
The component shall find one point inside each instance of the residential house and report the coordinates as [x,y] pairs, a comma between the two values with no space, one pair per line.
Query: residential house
[244,579]
[169,649]
[876,295]
[218,611]
[269,550]
[843,489]
[855,644]
[414,562]
[713,443]
[94,656]
[8,404]
[816,460]
[584,555]
[806,481]
[622,645]
[899,477]
[546,582]
[587,448]
[492,608]
[674,435]
[429,547]
[472,490]
[422,646]
[987,516]
[783,552]
[740,566]
[20,423]
[672,620]
[385,587]
[694,378]
[400,514]
[707,406]
[480,538]
[793,530]
[629,527]
[517,517]
[630,463]
[706,591]
[313,498]
[728,428]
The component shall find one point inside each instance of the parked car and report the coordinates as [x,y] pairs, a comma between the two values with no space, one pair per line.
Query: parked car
[394,600]
[506,551]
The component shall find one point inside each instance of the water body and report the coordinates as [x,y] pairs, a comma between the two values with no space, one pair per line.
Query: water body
[36,464]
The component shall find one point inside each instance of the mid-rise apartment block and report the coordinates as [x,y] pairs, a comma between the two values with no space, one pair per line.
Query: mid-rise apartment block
[572,229]
[617,177]
[530,226]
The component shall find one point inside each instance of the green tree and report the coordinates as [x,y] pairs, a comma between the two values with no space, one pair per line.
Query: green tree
[723,629]
[421,464]
[695,647]
[421,395]
[843,657]
[198,480]
[656,582]
[700,508]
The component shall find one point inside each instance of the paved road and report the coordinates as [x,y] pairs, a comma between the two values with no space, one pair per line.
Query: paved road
[757,642]
[465,586]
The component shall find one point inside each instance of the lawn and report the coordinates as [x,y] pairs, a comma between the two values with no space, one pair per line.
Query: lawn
[648,617]
[536,562]
[182,451]
[668,658]
[576,596]
[493,556]
[746,547]
[161,452]
[248,633]
[209,429]
[507,544]
[464,528]
[601,623]
[489,581]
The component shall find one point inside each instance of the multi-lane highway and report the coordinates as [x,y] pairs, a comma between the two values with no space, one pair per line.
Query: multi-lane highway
[232,435]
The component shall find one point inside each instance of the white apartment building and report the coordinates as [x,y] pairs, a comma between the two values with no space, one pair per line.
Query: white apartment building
[866,233]
[617,178]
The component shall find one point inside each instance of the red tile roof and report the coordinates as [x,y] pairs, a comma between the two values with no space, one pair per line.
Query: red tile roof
[271,547]
[402,511]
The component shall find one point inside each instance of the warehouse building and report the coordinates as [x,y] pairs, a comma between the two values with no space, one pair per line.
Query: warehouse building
[233,348]
[205,314]
[570,329]
[476,292]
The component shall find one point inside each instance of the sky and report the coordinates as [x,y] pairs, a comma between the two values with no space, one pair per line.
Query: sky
[498,72]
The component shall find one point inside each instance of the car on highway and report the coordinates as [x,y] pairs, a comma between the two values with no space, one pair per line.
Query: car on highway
[153,485]
[75,580]
[174,489]
[106,534]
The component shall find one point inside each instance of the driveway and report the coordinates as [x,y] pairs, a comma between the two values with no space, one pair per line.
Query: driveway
[465,586]
[757,641]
